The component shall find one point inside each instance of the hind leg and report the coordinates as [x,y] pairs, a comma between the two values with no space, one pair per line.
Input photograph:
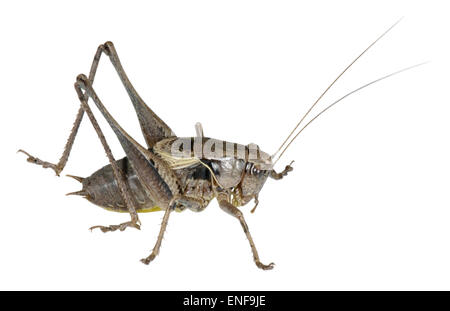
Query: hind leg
[118,175]
[73,133]
[153,128]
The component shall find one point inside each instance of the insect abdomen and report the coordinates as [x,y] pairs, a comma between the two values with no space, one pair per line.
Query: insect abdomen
[102,189]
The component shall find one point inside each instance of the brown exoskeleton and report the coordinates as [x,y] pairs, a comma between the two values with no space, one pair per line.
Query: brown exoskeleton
[170,173]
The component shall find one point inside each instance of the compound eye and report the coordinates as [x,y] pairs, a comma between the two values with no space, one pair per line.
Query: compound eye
[255,170]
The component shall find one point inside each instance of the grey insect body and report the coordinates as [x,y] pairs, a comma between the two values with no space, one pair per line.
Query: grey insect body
[155,177]
[169,173]
[241,179]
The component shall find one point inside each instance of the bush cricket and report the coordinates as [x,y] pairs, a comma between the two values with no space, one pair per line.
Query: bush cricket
[172,173]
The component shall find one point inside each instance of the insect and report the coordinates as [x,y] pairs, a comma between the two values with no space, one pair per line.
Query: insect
[172,173]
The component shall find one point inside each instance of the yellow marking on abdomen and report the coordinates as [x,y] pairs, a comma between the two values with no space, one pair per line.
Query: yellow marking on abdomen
[144,210]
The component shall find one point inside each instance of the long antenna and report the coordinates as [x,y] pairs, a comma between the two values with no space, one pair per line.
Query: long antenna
[343,97]
[326,90]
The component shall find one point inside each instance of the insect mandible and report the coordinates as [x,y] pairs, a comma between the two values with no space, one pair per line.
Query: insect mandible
[172,173]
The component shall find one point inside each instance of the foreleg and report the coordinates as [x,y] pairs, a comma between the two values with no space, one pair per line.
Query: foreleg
[280,175]
[235,212]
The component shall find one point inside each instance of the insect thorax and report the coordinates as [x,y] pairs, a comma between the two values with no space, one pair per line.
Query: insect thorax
[204,164]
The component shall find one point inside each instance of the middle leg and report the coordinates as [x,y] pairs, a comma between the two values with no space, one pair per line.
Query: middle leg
[194,204]
[157,246]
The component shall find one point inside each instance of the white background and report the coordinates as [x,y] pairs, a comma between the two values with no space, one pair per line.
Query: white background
[366,207]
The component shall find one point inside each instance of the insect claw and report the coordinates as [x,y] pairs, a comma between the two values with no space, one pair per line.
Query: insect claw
[23,151]
[102,228]
[148,259]
[120,227]
[263,266]
[38,161]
